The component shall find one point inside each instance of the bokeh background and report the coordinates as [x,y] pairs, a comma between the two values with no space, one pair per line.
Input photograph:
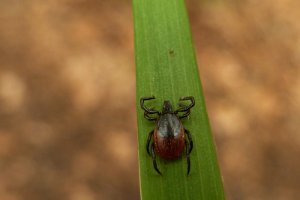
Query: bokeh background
[67,97]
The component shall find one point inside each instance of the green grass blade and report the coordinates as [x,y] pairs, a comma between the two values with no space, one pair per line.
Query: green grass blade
[166,68]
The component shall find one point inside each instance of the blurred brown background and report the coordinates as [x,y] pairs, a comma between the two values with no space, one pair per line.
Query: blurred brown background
[67,97]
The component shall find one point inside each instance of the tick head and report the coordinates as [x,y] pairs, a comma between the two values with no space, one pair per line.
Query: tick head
[167,107]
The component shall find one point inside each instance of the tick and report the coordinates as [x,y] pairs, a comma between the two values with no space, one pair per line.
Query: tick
[169,139]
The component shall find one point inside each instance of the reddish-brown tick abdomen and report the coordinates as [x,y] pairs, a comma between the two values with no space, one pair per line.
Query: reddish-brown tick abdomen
[168,137]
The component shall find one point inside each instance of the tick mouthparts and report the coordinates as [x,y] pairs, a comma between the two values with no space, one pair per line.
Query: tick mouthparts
[167,107]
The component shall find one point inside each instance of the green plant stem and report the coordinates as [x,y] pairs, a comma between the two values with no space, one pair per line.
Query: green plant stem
[166,68]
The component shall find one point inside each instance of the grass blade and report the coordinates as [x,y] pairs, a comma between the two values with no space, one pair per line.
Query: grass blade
[166,68]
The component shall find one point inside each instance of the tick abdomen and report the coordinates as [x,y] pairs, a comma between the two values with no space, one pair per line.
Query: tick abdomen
[168,137]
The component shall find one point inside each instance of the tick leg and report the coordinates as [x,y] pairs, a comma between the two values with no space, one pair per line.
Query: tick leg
[154,160]
[185,114]
[186,108]
[148,142]
[187,151]
[148,110]
[190,141]
[146,115]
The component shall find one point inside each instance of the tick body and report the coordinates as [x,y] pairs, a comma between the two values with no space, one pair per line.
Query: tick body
[169,139]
